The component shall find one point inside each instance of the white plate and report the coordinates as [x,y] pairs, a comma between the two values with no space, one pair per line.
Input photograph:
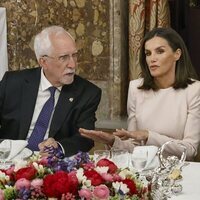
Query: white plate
[24,154]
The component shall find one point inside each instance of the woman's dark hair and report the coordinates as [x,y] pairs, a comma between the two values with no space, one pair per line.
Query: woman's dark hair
[185,71]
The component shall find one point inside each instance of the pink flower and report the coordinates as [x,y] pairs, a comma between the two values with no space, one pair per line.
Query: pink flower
[107,177]
[116,177]
[10,170]
[101,192]
[37,183]
[85,193]
[88,166]
[44,161]
[1,195]
[21,183]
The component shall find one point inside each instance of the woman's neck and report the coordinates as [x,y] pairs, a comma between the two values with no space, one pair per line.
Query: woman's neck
[163,83]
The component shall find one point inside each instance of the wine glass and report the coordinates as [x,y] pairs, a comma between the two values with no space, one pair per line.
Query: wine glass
[5,148]
[139,158]
[120,157]
[100,154]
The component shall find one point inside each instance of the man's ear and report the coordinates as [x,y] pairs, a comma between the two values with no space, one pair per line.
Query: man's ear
[42,62]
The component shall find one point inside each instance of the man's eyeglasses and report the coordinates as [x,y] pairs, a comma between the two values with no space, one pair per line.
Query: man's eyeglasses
[64,58]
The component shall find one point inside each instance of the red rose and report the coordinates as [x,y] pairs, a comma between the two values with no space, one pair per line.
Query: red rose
[73,180]
[95,178]
[107,163]
[131,185]
[56,184]
[26,172]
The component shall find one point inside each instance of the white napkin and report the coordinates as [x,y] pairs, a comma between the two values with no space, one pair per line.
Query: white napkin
[152,159]
[16,147]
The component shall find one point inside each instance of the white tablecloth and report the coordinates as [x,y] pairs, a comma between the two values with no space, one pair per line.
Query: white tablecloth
[190,183]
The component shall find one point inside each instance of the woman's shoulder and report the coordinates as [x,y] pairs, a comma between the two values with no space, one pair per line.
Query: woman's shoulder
[136,83]
[195,85]
[193,90]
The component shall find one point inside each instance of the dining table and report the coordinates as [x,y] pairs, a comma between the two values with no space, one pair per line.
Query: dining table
[190,183]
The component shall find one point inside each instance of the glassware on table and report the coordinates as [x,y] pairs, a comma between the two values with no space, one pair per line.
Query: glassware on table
[120,157]
[170,161]
[100,154]
[139,158]
[165,178]
[5,149]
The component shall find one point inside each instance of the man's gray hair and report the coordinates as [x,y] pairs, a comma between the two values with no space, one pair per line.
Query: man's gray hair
[42,42]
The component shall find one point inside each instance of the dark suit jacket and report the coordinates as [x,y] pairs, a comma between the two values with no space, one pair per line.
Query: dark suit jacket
[75,108]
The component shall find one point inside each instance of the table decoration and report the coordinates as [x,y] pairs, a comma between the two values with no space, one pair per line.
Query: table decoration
[165,178]
[55,177]
[80,178]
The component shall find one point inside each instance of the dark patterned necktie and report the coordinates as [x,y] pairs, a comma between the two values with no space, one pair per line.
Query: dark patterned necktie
[42,122]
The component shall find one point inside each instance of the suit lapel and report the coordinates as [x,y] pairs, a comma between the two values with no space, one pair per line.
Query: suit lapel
[65,103]
[29,96]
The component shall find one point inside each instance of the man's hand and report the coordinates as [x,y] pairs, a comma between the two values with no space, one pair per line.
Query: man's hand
[50,142]
[98,136]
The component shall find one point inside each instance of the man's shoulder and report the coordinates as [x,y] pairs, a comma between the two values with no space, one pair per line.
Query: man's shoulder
[24,72]
[85,83]
[17,76]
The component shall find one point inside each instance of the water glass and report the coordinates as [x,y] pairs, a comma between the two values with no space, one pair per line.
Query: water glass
[139,158]
[100,154]
[120,157]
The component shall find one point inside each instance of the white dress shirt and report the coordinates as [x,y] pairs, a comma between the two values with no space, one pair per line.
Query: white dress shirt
[42,97]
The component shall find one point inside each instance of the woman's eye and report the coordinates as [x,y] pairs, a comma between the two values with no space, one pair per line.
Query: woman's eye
[160,51]
[147,53]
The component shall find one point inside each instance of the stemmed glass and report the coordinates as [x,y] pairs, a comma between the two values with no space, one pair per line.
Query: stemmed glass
[5,148]
[101,154]
[120,157]
[139,158]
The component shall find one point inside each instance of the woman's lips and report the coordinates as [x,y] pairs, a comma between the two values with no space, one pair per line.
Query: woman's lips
[153,67]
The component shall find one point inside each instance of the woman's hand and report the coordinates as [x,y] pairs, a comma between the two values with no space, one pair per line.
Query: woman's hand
[98,136]
[139,136]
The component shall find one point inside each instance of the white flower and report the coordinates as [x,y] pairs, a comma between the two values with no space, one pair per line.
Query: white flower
[19,164]
[39,168]
[82,179]
[102,170]
[86,183]
[119,186]
[126,173]
[3,177]
[80,175]
[8,186]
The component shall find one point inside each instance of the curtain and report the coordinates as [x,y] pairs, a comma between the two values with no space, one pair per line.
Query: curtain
[144,15]
[3,43]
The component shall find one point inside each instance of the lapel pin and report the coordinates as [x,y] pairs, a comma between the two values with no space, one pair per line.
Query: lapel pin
[71,99]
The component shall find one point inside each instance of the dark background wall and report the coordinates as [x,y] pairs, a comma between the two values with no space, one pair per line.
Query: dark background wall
[185,19]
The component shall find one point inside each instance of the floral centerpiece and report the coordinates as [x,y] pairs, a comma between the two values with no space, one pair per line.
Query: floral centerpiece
[70,179]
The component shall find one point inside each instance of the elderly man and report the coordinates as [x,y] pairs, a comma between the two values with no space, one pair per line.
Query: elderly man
[47,105]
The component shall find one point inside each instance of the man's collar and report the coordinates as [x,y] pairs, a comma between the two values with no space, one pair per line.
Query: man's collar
[44,83]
